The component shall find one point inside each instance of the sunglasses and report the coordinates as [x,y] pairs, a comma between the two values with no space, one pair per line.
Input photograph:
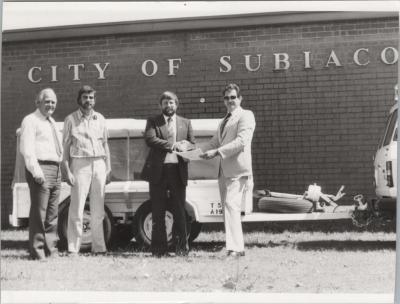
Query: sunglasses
[232,97]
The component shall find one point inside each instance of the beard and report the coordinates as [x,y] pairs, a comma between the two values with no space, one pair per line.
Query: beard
[168,112]
[87,105]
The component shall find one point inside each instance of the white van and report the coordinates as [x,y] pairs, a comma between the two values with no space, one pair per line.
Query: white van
[385,163]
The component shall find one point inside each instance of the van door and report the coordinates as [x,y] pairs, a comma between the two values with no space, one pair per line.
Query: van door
[385,159]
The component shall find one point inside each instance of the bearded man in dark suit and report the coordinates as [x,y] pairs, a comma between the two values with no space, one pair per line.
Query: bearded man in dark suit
[167,173]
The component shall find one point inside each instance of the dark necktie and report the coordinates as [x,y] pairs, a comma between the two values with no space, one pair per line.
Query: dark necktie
[55,137]
[171,131]
[223,124]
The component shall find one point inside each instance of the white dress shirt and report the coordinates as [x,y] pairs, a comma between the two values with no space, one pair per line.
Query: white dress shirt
[171,158]
[37,142]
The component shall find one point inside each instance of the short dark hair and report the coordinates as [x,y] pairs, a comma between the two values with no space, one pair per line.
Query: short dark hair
[232,86]
[170,96]
[84,90]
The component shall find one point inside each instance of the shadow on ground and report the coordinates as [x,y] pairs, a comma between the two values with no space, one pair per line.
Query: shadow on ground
[338,245]
[343,225]
[346,245]
[16,245]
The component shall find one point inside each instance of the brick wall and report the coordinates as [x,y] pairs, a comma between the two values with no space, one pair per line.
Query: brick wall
[320,124]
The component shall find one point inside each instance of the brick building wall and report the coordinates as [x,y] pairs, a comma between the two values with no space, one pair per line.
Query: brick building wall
[318,124]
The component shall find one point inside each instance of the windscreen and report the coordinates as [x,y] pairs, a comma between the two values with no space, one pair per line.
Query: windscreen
[390,129]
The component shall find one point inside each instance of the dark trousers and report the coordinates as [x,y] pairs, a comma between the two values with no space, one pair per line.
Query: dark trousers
[44,211]
[170,183]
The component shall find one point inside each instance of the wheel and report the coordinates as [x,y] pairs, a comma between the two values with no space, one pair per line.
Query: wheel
[86,243]
[195,229]
[144,225]
[284,205]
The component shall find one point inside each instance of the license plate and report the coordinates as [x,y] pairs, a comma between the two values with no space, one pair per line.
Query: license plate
[215,209]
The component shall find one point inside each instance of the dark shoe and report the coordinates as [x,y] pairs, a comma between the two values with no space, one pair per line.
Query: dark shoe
[182,252]
[72,254]
[161,254]
[99,253]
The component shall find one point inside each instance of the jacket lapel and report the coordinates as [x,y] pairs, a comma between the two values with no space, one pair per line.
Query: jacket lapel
[162,126]
[231,121]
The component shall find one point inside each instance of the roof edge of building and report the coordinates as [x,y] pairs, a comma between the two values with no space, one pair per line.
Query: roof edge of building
[182,24]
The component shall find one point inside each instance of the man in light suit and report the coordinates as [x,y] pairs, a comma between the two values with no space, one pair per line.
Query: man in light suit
[167,173]
[232,143]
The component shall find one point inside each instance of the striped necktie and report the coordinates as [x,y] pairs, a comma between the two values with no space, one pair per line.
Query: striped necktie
[55,137]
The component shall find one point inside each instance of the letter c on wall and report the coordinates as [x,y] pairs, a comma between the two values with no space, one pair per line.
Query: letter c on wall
[357,59]
[30,74]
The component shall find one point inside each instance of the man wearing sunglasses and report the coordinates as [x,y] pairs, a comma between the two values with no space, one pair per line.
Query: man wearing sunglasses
[232,143]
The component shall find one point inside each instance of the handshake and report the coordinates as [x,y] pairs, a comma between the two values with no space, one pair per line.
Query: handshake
[183,145]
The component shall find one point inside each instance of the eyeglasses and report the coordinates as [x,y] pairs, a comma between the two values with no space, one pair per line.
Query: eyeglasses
[232,97]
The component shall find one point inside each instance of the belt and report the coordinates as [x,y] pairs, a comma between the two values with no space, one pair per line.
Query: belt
[48,162]
[170,164]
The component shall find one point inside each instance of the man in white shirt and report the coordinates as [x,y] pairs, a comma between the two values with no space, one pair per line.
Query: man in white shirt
[87,165]
[41,147]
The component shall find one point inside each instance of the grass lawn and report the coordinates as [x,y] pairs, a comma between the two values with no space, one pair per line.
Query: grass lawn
[278,259]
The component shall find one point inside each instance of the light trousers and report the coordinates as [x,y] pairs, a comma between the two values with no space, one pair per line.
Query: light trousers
[90,179]
[233,191]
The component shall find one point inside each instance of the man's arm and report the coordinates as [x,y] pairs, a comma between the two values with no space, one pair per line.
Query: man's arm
[246,126]
[66,155]
[27,149]
[108,157]
[152,140]
[190,135]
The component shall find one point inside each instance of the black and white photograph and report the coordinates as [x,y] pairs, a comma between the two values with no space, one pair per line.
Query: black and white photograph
[199,152]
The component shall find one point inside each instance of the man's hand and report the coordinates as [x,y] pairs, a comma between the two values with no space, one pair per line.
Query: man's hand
[209,154]
[70,178]
[39,180]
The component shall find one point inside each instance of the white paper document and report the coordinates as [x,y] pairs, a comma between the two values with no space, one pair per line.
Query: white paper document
[192,155]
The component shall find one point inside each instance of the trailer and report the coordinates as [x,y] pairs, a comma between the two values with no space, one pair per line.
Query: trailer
[127,201]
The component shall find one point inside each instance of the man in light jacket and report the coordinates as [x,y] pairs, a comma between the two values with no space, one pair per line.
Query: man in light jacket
[232,143]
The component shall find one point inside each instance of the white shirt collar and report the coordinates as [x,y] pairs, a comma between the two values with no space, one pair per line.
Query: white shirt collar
[91,116]
[40,115]
[235,112]
[173,117]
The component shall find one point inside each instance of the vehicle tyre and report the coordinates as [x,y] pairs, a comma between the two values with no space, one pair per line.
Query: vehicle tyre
[284,205]
[86,244]
[195,229]
[143,226]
